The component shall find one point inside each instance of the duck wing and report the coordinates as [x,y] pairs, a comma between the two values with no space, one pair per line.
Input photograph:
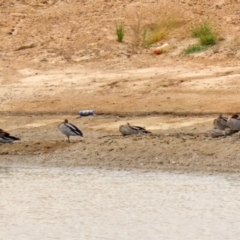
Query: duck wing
[139,129]
[74,129]
[6,137]
[11,137]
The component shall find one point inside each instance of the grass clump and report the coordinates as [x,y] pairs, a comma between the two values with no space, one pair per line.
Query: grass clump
[206,35]
[194,48]
[204,32]
[155,32]
[137,32]
[145,35]
[120,31]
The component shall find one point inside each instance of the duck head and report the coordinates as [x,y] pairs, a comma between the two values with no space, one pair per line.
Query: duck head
[235,115]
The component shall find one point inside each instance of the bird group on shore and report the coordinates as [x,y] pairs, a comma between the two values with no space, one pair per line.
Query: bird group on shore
[69,129]
[225,126]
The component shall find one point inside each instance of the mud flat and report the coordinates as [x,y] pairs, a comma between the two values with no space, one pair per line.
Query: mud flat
[176,144]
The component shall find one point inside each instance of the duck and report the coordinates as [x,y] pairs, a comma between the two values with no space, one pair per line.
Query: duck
[234,122]
[69,129]
[216,132]
[129,130]
[220,122]
[5,137]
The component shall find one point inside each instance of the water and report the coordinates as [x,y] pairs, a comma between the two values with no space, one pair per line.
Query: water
[94,204]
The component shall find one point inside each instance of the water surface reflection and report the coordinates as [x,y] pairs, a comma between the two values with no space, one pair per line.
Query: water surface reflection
[98,204]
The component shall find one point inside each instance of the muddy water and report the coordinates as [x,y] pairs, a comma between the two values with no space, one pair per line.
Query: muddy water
[97,204]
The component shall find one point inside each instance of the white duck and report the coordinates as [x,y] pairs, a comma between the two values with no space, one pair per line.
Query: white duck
[69,129]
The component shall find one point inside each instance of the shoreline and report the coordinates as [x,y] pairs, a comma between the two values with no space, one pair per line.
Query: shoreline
[115,113]
[134,170]
[182,145]
[213,170]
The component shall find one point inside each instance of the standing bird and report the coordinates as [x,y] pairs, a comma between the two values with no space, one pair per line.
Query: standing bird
[69,129]
[129,130]
[6,137]
[234,122]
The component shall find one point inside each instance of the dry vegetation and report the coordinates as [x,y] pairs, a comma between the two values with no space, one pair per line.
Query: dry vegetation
[72,30]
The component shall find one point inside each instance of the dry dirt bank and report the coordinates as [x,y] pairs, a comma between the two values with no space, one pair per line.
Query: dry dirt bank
[170,87]
[35,99]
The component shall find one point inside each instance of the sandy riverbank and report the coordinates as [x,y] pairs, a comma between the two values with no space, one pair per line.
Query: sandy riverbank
[177,106]
[53,63]
[176,144]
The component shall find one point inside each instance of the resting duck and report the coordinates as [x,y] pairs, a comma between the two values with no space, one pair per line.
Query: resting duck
[129,130]
[234,122]
[6,137]
[69,129]
[220,122]
[215,132]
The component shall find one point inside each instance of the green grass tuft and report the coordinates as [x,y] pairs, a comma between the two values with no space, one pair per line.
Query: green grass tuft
[120,31]
[205,33]
[194,49]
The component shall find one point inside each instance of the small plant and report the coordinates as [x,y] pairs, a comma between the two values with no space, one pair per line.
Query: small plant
[194,48]
[120,31]
[151,36]
[146,35]
[205,33]
[137,32]
[155,32]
